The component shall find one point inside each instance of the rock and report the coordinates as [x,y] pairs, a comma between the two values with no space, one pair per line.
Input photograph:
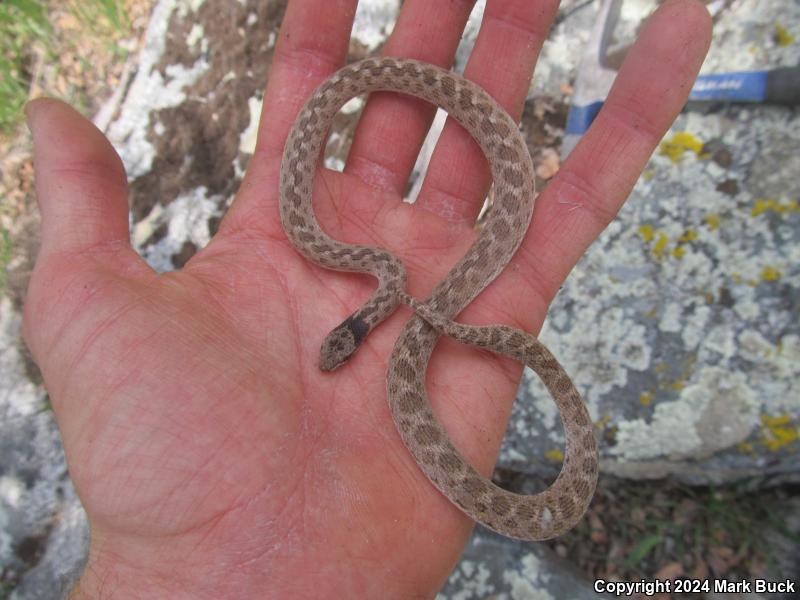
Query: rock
[43,534]
[496,567]
[679,325]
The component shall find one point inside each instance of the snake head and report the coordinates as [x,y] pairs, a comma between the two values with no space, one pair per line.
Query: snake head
[341,343]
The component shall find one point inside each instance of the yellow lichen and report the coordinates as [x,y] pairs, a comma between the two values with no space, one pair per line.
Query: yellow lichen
[782,36]
[763,205]
[778,421]
[778,431]
[712,221]
[603,421]
[675,147]
[555,455]
[770,274]
[646,398]
[659,249]
[660,245]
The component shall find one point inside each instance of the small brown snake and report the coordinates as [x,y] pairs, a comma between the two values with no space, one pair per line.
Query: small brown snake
[535,517]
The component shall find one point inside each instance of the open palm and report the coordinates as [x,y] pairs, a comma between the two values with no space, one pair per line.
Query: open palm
[212,456]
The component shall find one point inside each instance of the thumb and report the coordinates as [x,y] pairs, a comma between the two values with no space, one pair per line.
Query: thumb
[80,181]
[81,190]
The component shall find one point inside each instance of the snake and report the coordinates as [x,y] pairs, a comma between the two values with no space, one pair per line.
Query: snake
[539,516]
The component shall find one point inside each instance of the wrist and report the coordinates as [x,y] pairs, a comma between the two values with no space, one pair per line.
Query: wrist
[111,574]
[172,567]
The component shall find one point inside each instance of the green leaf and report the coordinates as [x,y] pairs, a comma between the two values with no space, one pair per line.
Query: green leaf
[642,549]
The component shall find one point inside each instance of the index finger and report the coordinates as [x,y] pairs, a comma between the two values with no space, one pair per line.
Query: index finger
[312,44]
[650,90]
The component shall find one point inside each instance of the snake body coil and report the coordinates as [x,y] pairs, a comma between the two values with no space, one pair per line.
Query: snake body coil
[535,517]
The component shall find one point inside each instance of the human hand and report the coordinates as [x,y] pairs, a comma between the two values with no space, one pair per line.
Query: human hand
[212,456]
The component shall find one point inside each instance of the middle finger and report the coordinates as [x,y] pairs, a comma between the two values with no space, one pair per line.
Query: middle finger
[392,126]
[502,62]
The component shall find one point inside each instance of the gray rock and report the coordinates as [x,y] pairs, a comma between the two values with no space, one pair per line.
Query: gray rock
[43,534]
[496,567]
[679,325]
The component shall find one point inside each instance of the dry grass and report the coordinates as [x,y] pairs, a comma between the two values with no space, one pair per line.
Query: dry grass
[74,50]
